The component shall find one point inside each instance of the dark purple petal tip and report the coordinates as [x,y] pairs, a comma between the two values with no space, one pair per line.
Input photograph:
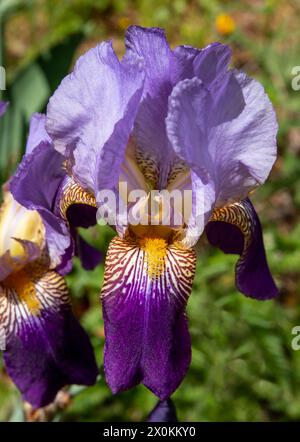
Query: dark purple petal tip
[48,354]
[237,229]
[164,411]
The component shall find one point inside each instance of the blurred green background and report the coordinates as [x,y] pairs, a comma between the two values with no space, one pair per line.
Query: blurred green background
[243,365]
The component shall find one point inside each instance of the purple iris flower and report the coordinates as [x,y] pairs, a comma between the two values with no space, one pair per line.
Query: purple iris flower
[44,346]
[162,119]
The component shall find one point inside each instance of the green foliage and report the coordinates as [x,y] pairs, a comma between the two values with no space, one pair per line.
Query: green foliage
[243,366]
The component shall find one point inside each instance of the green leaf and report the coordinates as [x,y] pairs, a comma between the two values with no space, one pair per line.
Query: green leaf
[30,90]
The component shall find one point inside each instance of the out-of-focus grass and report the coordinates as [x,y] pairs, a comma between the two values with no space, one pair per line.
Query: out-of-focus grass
[243,366]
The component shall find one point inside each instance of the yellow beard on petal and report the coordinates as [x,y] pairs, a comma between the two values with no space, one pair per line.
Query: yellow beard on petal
[24,287]
[148,265]
[155,251]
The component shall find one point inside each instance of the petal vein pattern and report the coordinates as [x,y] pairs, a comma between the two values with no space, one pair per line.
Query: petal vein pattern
[147,338]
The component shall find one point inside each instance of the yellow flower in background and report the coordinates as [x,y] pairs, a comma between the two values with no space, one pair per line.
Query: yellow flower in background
[225,24]
[124,22]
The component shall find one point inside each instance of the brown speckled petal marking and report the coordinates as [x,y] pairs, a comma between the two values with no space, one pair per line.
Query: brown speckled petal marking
[72,193]
[28,292]
[167,268]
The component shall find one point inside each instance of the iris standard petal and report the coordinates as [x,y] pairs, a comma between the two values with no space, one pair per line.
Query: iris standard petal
[236,229]
[149,127]
[46,348]
[212,62]
[164,68]
[239,154]
[207,64]
[186,123]
[145,290]
[186,98]
[91,114]
[151,44]
[210,65]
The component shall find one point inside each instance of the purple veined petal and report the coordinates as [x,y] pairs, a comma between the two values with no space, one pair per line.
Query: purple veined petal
[114,150]
[236,229]
[35,185]
[149,128]
[246,154]
[210,65]
[46,348]
[207,64]
[193,111]
[239,154]
[164,411]
[143,298]
[186,122]
[186,98]
[90,116]
[185,56]
[37,132]
[150,136]
[228,99]
[212,62]
[3,107]
[151,44]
